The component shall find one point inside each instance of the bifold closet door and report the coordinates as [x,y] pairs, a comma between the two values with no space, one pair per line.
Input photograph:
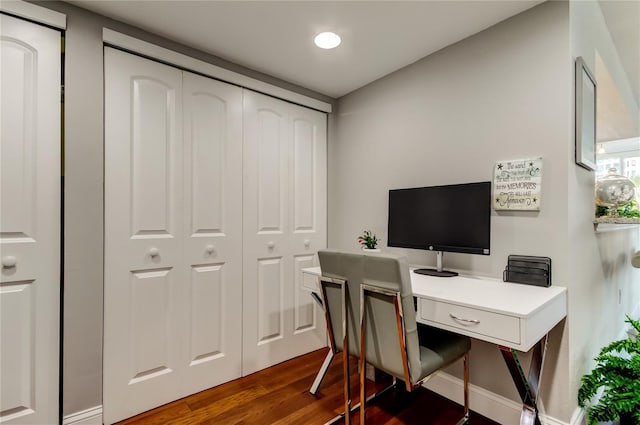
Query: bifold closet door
[172,234]
[29,222]
[284,226]
[213,231]
[144,297]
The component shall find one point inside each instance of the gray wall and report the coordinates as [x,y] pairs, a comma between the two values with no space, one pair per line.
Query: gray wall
[606,286]
[83,218]
[504,93]
[83,213]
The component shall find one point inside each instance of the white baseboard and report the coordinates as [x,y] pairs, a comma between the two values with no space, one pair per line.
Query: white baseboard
[488,404]
[578,417]
[92,416]
[491,405]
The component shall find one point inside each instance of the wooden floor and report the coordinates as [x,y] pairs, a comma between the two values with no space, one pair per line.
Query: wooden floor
[280,395]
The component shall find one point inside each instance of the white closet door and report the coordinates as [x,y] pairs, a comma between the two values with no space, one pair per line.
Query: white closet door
[173,234]
[213,231]
[144,299]
[308,218]
[29,222]
[284,225]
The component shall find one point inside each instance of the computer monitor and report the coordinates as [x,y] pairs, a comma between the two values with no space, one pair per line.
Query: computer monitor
[451,218]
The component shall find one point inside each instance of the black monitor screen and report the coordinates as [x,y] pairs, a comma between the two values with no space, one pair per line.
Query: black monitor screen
[453,218]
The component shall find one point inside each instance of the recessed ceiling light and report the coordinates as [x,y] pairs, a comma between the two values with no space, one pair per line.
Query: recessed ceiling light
[327,40]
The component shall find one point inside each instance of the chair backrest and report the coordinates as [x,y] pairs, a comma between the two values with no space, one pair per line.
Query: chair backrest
[382,337]
[348,267]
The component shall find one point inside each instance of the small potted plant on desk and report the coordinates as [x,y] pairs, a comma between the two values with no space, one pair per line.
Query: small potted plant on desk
[618,372]
[369,241]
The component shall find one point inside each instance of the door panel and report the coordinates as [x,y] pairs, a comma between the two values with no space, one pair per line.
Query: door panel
[271,180]
[213,230]
[309,229]
[150,328]
[144,270]
[18,165]
[152,117]
[270,318]
[29,222]
[304,198]
[304,314]
[17,305]
[207,166]
[284,225]
[207,313]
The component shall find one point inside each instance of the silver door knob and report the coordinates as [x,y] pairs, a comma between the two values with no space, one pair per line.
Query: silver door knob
[210,249]
[154,252]
[271,244]
[307,242]
[9,261]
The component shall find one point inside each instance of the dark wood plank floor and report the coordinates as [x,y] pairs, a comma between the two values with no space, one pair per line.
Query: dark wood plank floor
[280,395]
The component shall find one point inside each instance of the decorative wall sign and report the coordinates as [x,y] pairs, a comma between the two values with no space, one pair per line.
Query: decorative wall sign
[517,184]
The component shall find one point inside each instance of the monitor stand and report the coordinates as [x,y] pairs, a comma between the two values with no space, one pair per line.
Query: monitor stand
[439,271]
[434,272]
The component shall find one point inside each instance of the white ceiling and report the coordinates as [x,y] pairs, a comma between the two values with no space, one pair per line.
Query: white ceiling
[623,22]
[276,37]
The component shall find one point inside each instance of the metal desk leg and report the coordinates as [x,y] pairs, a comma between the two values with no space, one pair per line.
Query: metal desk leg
[527,386]
[322,372]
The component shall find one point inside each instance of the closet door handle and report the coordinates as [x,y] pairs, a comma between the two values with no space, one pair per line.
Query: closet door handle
[307,242]
[210,249]
[154,252]
[9,261]
[271,244]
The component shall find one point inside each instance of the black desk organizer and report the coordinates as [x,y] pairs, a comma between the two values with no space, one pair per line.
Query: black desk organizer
[528,270]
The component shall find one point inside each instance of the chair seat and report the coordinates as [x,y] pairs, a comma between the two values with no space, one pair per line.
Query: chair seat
[438,348]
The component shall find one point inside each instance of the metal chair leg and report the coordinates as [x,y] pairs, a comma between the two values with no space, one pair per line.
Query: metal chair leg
[345,357]
[322,372]
[363,362]
[465,417]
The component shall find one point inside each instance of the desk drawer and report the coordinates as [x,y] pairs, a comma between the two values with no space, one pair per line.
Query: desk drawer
[310,282]
[471,321]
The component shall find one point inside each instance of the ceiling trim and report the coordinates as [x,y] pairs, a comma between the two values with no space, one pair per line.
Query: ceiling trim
[116,39]
[35,13]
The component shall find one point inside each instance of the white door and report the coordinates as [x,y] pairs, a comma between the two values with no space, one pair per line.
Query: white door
[173,155]
[144,272]
[213,231]
[284,225]
[29,222]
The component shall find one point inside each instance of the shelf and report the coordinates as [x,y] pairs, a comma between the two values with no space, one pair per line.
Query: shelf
[607,224]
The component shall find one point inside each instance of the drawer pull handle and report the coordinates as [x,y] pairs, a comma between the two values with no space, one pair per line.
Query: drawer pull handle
[472,321]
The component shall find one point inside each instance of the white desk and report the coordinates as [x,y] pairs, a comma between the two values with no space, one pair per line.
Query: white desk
[513,316]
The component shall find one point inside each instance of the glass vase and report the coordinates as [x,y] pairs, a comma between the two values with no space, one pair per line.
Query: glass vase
[613,191]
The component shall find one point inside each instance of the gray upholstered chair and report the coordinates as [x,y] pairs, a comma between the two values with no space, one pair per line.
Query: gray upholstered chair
[340,288]
[391,339]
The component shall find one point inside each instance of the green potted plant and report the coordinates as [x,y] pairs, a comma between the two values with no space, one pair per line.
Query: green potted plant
[617,372]
[369,241]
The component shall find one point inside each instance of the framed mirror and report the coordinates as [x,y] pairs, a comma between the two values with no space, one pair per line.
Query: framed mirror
[585,116]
